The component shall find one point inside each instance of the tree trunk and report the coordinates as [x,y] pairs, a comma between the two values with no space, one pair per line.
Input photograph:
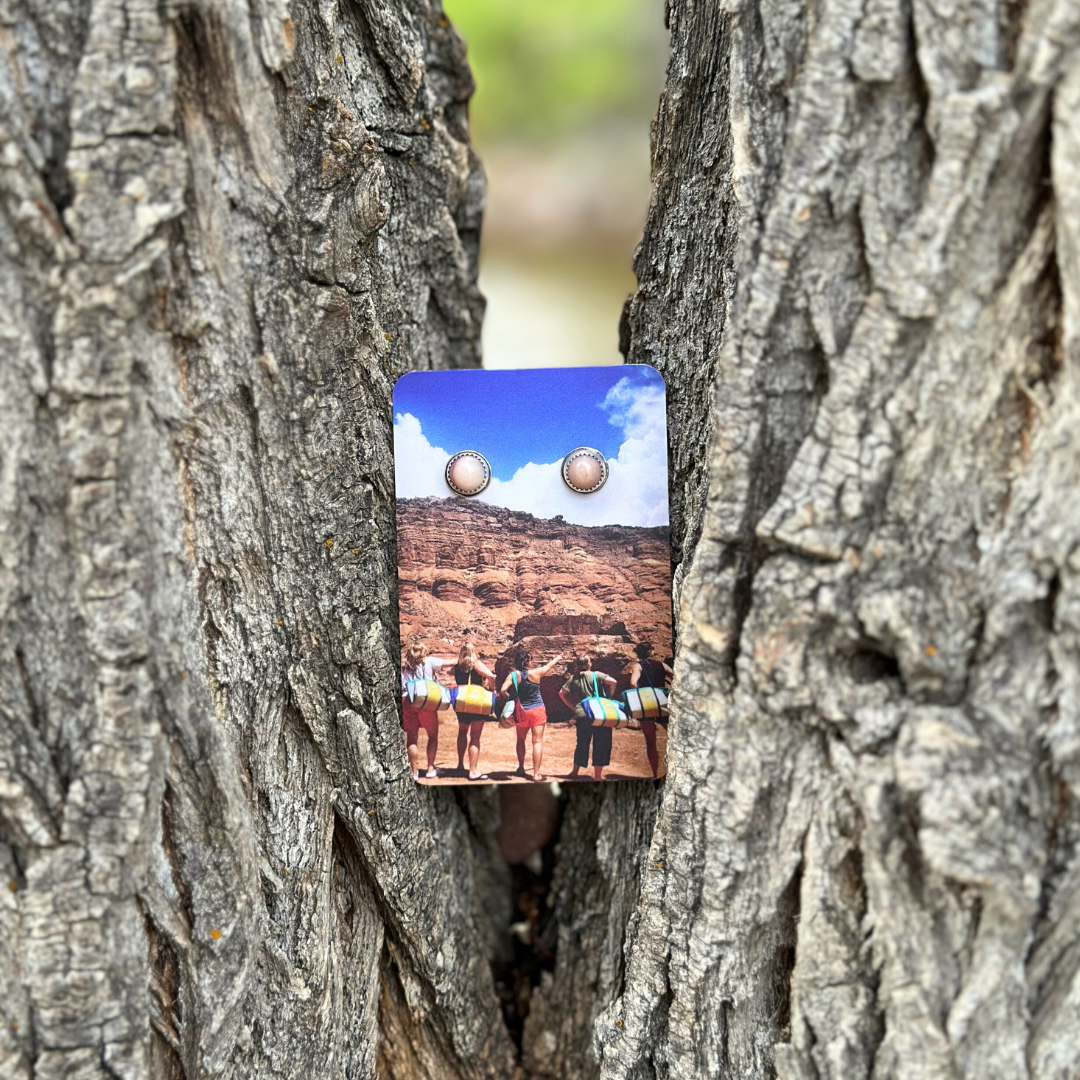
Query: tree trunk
[863,243]
[225,228]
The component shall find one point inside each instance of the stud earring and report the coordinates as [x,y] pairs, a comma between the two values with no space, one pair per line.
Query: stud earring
[468,472]
[585,470]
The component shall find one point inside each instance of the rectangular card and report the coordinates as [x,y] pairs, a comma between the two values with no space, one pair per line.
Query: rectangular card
[535,618]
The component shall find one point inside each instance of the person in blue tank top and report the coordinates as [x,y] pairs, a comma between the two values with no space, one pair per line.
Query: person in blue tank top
[523,685]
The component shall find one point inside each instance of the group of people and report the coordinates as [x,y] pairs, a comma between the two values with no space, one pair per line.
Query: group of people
[522,685]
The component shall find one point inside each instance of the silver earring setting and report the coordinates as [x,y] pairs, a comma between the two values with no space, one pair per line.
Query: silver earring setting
[585,470]
[468,472]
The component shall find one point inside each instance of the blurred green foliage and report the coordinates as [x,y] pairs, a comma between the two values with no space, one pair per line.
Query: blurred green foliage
[546,68]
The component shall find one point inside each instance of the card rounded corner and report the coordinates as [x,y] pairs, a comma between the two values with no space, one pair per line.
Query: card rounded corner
[655,370]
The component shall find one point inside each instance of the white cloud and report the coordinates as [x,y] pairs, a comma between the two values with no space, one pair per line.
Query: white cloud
[635,493]
[418,466]
[636,408]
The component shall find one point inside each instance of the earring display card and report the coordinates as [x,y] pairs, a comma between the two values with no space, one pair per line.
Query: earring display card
[535,619]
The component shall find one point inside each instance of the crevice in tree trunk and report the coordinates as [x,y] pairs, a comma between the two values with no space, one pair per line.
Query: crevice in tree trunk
[518,976]
[925,150]
[166,1022]
[172,856]
[69,22]
[403,1052]
[1011,18]
[782,963]
[1061,850]
[17,867]
[745,559]
[907,830]
[873,662]
[726,1008]
[1046,608]
[204,80]
[58,752]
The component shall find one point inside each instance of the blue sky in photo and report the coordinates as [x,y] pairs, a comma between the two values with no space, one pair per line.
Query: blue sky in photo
[524,422]
[514,417]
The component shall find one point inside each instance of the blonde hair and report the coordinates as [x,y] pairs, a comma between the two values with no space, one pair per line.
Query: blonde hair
[582,663]
[467,657]
[415,654]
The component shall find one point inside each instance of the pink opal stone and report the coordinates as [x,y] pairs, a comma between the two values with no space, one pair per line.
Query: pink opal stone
[584,472]
[468,475]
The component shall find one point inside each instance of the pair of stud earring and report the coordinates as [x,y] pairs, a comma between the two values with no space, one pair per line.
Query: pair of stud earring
[584,470]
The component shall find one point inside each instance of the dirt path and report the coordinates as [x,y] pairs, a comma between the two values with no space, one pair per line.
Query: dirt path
[498,757]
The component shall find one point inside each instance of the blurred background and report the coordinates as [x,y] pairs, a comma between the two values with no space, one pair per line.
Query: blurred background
[566,91]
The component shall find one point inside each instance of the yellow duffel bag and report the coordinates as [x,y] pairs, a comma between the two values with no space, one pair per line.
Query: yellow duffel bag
[646,703]
[472,700]
[427,695]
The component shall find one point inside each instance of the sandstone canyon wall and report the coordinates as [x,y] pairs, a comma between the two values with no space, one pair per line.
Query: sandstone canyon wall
[497,577]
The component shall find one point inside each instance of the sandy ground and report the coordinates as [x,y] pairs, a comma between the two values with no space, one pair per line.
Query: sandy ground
[498,757]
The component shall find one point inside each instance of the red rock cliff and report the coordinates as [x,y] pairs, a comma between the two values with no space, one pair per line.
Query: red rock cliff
[496,577]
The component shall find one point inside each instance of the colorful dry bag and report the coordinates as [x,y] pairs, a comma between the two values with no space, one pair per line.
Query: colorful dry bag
[427,695]
[602,711]
[472,700]
[646,703]
[508,716]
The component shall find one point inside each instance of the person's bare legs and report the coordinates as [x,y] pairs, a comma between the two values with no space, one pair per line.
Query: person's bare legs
[414,753]
[432,750]
[598,772]
[475,730]
[538,750]
[462,742]
[648,729]
[521,733]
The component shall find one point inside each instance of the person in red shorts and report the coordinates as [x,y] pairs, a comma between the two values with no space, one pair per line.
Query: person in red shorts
[416,664]
[523,684]
[648,671]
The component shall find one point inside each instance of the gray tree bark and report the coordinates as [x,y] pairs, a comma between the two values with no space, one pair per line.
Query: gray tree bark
[224,228]
[863,245]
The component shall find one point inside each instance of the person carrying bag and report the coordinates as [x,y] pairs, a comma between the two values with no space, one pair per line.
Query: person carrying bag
[528,711]
[582,685]
[422,695]
[652,671]
[474,703]
[472,699]
[602,711]
[646,702]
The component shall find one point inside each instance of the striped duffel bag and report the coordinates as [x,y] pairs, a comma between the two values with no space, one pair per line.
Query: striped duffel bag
[646,703]
[602,711]
[427,695]
[472,700]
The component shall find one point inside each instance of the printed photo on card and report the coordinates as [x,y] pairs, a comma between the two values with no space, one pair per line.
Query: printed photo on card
[534,573]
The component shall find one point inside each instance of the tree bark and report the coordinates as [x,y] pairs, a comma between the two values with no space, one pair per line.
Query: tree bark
[225,228]
[863,235]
